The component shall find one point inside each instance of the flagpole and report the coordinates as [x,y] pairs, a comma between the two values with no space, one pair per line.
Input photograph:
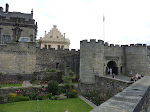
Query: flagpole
[103,27]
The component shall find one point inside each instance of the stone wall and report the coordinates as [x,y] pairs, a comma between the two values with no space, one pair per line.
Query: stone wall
[131,99]
[91,60]
[105,85]
[17,58]
[57,59]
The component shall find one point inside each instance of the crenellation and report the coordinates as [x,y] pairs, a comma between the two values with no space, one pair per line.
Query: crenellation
[83,41]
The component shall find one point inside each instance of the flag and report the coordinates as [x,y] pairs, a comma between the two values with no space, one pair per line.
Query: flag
[103,18]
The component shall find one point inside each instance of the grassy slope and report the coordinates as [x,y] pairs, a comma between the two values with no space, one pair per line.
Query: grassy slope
[9,85]
[72,104]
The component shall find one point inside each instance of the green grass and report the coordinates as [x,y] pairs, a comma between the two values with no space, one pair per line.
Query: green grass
[72,104]
[9,85]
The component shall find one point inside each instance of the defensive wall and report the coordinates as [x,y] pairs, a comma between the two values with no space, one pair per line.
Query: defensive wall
[135,98]
[95,57]
[25,59]
[105,85]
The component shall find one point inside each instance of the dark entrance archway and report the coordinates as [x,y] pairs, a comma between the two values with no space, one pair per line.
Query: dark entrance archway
[113,66]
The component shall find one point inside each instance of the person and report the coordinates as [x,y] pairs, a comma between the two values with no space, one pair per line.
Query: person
[113,75]
[131,73]
[110,71]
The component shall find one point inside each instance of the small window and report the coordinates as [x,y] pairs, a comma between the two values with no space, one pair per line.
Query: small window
[62,47]
[50,36]
[57,37]
[6,38]
[58,46]
[49,46]
[46,46]
[57,65]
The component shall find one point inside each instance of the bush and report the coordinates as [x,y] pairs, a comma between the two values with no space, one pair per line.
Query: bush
[55,97]
[71,95]
[21,98]
[43,97]
[33,96]
[53,87]
[49,96]
[53,70]
[12,95]
[1,99]
[66,86]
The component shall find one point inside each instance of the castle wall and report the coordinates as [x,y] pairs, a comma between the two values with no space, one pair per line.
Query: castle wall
[114,53]
[57,59]
[136,59]
[91,60]
[17,58]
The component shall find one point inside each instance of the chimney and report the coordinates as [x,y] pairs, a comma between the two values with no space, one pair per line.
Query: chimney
[64,35]
[7,8]
[45,33]
[1,9]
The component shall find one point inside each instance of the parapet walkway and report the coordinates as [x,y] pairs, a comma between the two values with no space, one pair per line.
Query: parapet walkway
[120,77]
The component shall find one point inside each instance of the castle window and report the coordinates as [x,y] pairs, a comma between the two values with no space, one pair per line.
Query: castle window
[57,37]
[62,47]
[6,38]
[46,46]
[50,36]
[49,46]
[58,46]
[57,65]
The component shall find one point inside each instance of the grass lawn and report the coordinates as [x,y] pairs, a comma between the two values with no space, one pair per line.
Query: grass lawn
[72,104]
[9,85]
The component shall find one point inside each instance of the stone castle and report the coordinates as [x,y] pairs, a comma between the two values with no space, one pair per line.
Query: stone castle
[17,26]
[97,57]
[21,56]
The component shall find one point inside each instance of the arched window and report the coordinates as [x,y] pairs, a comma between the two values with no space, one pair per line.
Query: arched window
[58,46]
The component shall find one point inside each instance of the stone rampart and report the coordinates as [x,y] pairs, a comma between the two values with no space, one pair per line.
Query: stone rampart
[17,58]
[105,85]
[132,99]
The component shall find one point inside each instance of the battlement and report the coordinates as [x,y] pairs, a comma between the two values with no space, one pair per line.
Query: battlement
[58,50]
[92,41]
[135,45]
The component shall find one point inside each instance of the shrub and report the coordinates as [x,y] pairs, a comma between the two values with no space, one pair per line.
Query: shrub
[53,70]
[55,97]
[33,96]
[53,87]
[43,97]
[74,91]
[1,99]
[21,98]
[71,95]
[49,96]
[66,86]
[12,95]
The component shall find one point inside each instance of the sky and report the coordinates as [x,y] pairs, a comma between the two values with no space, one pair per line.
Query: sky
[126,21]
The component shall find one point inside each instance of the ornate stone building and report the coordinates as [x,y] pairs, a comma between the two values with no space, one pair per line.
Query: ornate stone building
[54,39]
[16,26]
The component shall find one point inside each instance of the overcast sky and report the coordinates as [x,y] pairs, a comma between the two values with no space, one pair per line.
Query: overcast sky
[126,21]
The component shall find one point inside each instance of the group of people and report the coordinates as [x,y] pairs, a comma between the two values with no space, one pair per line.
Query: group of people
[136,77]
[110,72]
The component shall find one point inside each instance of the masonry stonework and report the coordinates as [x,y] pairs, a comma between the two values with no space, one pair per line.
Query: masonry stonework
[97,57]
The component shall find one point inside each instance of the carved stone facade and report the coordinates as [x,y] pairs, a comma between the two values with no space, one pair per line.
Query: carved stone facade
[16,26]
[54,39]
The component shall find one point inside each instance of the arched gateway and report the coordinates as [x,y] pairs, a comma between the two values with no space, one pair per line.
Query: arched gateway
[113,66]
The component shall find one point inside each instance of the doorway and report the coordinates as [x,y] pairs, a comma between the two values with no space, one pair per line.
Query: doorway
[112,65]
